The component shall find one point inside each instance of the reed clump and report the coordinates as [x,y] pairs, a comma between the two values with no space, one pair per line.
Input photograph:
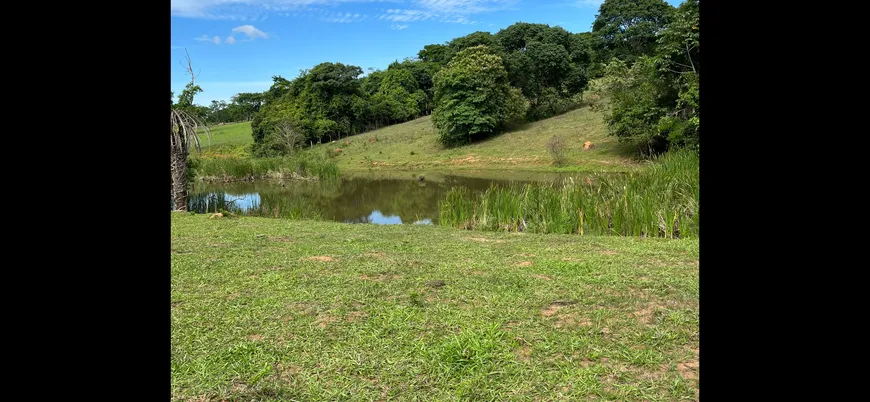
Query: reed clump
[660,201]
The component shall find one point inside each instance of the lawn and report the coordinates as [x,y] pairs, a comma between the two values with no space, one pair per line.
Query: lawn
[270,309]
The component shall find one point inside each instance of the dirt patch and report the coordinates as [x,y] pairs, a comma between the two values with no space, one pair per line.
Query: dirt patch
[569,259]
[287,371]
[557,305]
[233,296]
[688,370]
[544,277]
[609,252]
[354,316]
[319,258]
[485,240]
[436,283]
[323,320]
[464,161]
[255,337]
[524,264]
[524,354]
[647,314]
[571,320]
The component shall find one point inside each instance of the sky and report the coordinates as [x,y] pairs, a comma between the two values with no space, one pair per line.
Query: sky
[238,45]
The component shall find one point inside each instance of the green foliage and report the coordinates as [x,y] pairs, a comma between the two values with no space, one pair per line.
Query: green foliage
[479,38]
[517,105]
[637,98]
[544,62]
[471,97]
[628,28]
[437,54]
[655,102]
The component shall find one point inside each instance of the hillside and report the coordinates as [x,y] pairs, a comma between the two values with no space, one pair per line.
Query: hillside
[413,146]
[227,136]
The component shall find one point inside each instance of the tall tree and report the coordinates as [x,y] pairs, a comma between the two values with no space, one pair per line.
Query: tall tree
[183,133]
[546,63]
[628,28]
[472,96]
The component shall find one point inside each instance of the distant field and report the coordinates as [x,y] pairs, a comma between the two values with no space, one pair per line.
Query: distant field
[228,135]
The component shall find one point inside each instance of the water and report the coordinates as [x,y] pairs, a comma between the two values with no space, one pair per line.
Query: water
[355,199]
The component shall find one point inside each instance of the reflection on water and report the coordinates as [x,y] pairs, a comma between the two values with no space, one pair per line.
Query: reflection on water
[350,199]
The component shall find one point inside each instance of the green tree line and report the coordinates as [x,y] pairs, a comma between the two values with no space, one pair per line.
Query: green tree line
[643,52]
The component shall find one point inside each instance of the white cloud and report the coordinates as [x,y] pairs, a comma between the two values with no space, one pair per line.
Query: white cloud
[230,40]
[588,3]
[250,31]
[217,40]
[450,11]
[203,38]
[344,18]
[398,27]
[235,9]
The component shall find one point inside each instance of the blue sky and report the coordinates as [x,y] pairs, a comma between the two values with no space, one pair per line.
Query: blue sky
[238,45]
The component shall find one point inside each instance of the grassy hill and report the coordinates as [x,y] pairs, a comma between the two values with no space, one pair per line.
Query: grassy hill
[413,147]
[227,136]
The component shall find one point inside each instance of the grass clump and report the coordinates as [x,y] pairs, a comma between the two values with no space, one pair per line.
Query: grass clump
[661,201]
[300,166]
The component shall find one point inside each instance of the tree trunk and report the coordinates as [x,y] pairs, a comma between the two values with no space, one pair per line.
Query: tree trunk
[179,178]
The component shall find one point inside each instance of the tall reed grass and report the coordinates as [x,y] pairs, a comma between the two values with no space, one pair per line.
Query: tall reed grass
[299,166]
[661,201]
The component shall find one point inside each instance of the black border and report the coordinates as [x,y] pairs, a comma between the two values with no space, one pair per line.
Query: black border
[112,250]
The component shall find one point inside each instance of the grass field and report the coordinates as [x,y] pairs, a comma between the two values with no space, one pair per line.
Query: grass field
[413,147]
[268,310]
[227,136]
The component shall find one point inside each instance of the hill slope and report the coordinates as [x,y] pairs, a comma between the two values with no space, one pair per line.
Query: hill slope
[414,145]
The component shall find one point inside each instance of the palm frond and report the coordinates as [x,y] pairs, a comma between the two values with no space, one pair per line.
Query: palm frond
[184,130]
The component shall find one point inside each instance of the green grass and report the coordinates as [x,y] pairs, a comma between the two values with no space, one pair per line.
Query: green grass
[226,137]
[279,310]
[413,146]
[661,200]
[301,165]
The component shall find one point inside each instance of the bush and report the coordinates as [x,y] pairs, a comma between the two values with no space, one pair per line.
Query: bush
[556,147]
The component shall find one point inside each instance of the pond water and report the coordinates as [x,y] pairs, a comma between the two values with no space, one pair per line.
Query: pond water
[351,199]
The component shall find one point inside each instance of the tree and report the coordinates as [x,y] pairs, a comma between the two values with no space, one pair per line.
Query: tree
[438,54]
[547,63]
[183,133]
[471,96]
[628,28]
[678,57]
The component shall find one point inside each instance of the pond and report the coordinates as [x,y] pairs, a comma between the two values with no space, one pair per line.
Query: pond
[399,199]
